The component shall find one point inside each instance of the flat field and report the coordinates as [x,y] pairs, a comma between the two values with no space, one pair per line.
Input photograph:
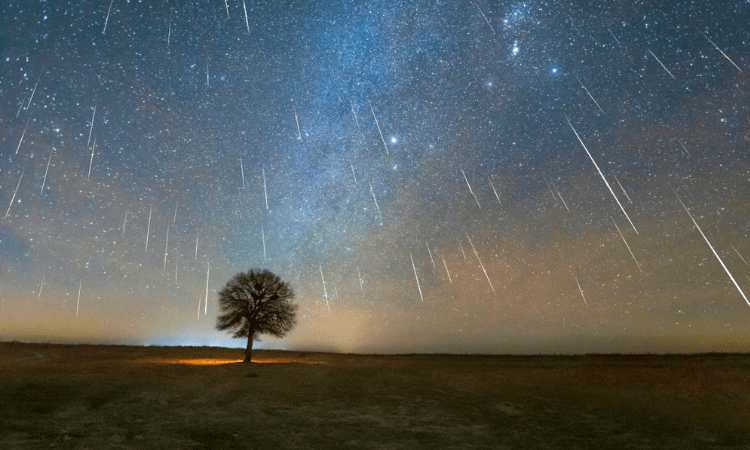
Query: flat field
[96,397]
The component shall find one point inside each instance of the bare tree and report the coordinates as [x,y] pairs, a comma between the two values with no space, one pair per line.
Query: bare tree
[255,303]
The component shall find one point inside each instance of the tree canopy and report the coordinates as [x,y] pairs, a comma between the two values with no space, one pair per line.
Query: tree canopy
[256,302]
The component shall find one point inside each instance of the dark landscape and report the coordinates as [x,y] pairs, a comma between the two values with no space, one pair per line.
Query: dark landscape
[97,396]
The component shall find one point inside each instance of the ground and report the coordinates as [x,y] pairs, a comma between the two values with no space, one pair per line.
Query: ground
[58,396]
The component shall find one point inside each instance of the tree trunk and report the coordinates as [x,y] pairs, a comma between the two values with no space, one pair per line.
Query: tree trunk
[249,349]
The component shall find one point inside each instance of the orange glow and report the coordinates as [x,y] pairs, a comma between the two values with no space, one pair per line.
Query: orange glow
[216,362]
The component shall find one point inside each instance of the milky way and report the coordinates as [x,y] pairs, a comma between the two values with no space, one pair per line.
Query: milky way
[428,176]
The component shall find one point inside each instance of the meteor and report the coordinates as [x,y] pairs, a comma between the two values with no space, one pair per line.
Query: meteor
[91,162]
[592,97]
[480,263]
[485,18]
[376,204]
[265,191]
[712,247]
[263,235]
[169,31]
[626,244]
[602,175]
[428,251]
[579,288]
[22,135]
[417,278]
[378,125]
[360,281]
[659,61]
[247,24]
[14,195]
[208,272]
[446,270]
[623,189]
[470,190]
[738,254]
[495,191]
[717,48]
[148,229]
[299,133]
[78,302]
[558,194]
[107,21]
[39,297]
[325,292]
[47,170]
[92,126]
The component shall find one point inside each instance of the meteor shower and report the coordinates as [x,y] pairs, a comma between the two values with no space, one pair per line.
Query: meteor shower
[461,177]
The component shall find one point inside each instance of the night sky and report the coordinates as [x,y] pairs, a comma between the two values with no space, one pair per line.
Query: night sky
[418,171]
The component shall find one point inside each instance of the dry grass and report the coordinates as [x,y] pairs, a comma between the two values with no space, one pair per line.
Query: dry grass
[164,397]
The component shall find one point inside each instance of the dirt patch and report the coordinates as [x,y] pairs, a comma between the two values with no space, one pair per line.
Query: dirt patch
[176,397]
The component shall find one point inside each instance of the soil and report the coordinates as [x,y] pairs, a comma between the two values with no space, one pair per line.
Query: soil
[102,397]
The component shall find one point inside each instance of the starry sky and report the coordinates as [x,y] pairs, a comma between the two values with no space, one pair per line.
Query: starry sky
[429,176]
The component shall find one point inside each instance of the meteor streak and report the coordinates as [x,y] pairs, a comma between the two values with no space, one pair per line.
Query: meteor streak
[683,147]
[417,278]
[360,281]
[299,133]
[446,270]
[107,21]
[247,24]
[602,175]
[353,174]
[376,204]
[613,35]
[124,223]
[14,195]
[325,292]
[462,250]
[32,92]
[428,251]
[177,202]
[579,288]
[495,191]
[242,171]
[91,162]
[480,263]
[712,247]
[265,191]
[148,229]
[226,3]
[92,126]
[47,170]
[196,243]
[587,91]
[659,61]
[208,272]
[470,190]
[738,254]
[626,244]
[39,297]
[78,302]
[22,135]
[166,249]
[623,189]
[355,115]
[263,235]
[485,18]
[381,133]
[717,48]
[558,194]
[169,31]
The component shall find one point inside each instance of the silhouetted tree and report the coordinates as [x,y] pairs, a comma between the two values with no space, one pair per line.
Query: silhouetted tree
[255,303]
